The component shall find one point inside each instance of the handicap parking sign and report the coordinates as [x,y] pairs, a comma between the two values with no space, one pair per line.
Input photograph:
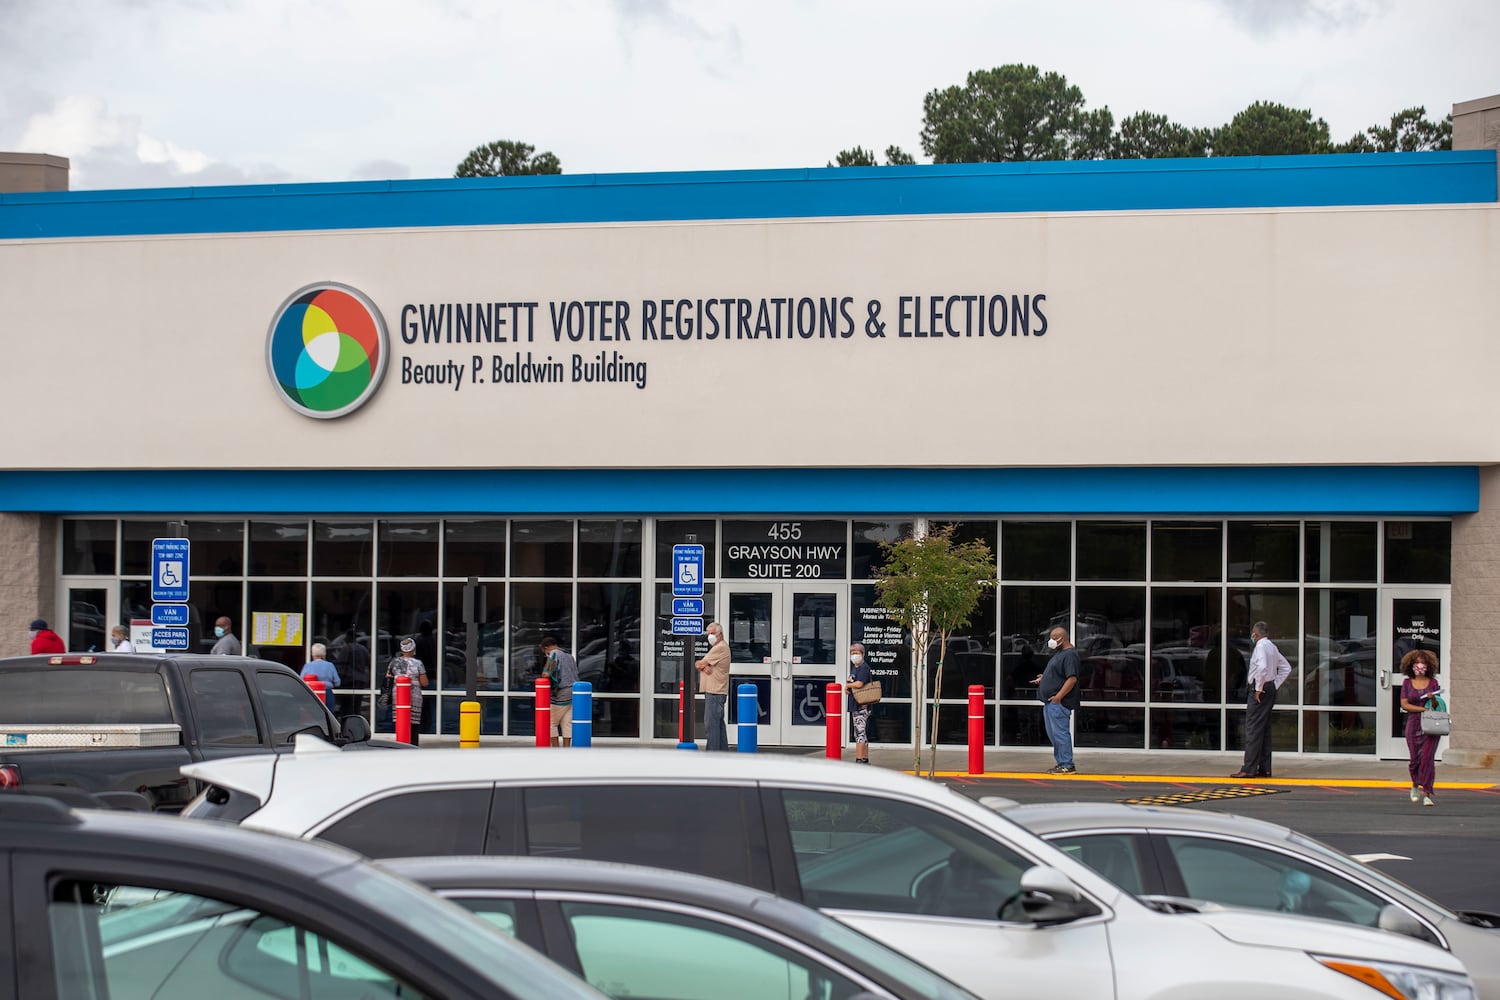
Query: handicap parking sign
[169,569]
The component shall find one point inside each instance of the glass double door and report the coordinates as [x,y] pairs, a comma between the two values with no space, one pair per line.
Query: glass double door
[789,640]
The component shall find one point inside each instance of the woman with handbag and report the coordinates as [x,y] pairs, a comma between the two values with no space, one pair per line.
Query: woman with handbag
[859,712]
[1420,692]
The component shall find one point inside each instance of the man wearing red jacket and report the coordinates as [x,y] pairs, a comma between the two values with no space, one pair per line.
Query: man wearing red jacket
[44,640]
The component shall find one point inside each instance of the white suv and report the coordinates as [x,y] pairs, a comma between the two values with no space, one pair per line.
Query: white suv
[910,862]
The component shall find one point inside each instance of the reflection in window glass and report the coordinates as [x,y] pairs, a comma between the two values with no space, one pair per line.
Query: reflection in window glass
[278,548]
[1111,550]
[452,821]
[1326,732]
[88,547]
[1263,550]
[541,548]
[341,619]
[965,532]
[343,548]
[609,637]
[1279,610]
[408,548]
[1236,874]
[1027,615]
[135,544]
[278,598]
[221,704]
[1339,648]
[1110,633]
[1113,855]
[1112,726]
[609,548]
[453,658]
[1035,550]
[1185,729]
[971,653]
[498,913]
[671,649]
[290,706]
[410,612]
[474,548]
[869,536]
[675,532]
[1187,550]
[210,602]
[1187,657]
[887,644]
[1340,552]
[639,952]
[537,609]
[217,548]
[1418,551]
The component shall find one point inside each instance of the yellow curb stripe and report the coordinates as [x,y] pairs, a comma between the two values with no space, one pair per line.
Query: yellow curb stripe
[1200,780]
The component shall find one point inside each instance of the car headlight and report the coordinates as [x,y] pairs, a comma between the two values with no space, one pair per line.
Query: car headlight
[1403,982]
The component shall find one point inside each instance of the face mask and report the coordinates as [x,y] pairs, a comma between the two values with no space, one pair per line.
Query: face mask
[856,659]
[1051,643]
[1420,670]
[32,633]
[218,632]
[712,638]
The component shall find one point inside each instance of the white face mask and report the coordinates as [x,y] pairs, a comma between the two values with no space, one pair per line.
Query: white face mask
[856,659]
[1051,643]
[32,633]
[712,638]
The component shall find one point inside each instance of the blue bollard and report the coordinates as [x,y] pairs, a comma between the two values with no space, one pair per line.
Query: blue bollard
[749,709]
[583,714]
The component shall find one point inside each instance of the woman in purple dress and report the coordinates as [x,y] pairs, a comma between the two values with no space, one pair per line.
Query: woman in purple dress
[1418,689]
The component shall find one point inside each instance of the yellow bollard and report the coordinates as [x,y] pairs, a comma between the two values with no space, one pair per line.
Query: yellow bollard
[468,725]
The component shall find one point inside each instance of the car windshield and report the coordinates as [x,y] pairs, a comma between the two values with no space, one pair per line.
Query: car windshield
[812,926]
[453,930]
[1370,872]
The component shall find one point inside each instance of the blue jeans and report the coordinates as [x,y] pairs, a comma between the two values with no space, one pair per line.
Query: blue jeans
[1057,717]
[713,721]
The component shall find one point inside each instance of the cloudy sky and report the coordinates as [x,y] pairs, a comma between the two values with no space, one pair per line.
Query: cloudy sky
[145,93]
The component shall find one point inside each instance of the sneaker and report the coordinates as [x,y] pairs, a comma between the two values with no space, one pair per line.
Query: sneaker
[1427,800]
[1416,793]
[1063,769]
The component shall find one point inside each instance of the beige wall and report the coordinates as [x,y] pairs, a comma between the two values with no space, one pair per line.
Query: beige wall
[28,573]
[1476,125]
[1178,338]
[1476,629]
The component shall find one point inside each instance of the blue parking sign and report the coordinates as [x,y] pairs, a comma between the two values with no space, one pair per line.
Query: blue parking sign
[169,569]
[687,571]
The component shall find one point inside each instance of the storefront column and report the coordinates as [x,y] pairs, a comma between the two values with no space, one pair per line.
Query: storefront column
[28,578]
[1476,629]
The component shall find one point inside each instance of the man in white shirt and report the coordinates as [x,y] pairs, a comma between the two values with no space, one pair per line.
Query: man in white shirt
[120,636]
[1268,671]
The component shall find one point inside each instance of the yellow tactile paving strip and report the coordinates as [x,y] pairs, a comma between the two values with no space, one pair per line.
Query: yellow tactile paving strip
[1182,779]
[1203,795]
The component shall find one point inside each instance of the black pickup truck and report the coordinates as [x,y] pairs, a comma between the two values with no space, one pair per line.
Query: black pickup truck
[117,722]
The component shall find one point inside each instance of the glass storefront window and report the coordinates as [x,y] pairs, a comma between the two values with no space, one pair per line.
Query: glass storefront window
[672,649]
[88,547]
[343,548]
[1021,726]
[1187,654]
[536,610]
[278,548]
[1340,552]
[408,548]
[217,548]
[541,548]
[1187,550]
[1110,726]
[1110,633]
[1111,550]
[971,654]
[135,544]
[1279,610]
[490,654]
[1036,550]
[284,598]
[210,602]
[1185,729]
[1283,730]
[1339,648]
[474,548]
[1027,615]
[341,619]
[869,536]
[407,611]
[1418,551]
[1263,551]
[887,644]
[609,636]
[674,532]
[609,548]
[1329,732]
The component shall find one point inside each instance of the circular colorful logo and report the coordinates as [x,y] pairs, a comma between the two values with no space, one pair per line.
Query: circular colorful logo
[326,349]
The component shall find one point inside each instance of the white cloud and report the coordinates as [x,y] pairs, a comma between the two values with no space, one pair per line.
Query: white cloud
[82,128]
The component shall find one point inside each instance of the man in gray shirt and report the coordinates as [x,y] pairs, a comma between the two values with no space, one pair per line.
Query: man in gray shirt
[561,670]
[227,644]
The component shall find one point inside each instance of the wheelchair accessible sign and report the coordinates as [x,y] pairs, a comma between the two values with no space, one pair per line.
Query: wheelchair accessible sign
[169,587]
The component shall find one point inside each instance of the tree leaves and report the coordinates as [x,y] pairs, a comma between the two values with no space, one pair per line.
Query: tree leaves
[1013,113]
[507,158]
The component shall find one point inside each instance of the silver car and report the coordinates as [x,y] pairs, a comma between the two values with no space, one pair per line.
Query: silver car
[1238,861]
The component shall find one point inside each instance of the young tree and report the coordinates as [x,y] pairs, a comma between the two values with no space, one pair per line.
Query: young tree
[932,586]
[1266,129]
[507,158]
[1012,113]
[1410,131]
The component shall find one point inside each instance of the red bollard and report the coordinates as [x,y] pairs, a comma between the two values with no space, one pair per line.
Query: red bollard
[543,712]
[976,728]
[318,687]
[403,709]
[834,717]
[681,707]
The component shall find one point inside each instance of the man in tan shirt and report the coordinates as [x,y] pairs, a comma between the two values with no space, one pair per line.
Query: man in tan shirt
[715,684]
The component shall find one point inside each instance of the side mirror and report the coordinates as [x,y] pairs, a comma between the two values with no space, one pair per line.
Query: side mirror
[354,729]
[1400,921]
[1048,897]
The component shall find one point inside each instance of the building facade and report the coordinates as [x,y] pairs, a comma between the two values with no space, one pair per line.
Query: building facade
[1172,397]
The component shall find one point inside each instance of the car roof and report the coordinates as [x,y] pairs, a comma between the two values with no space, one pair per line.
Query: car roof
[576,875]
[130,661]
[1057,817]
